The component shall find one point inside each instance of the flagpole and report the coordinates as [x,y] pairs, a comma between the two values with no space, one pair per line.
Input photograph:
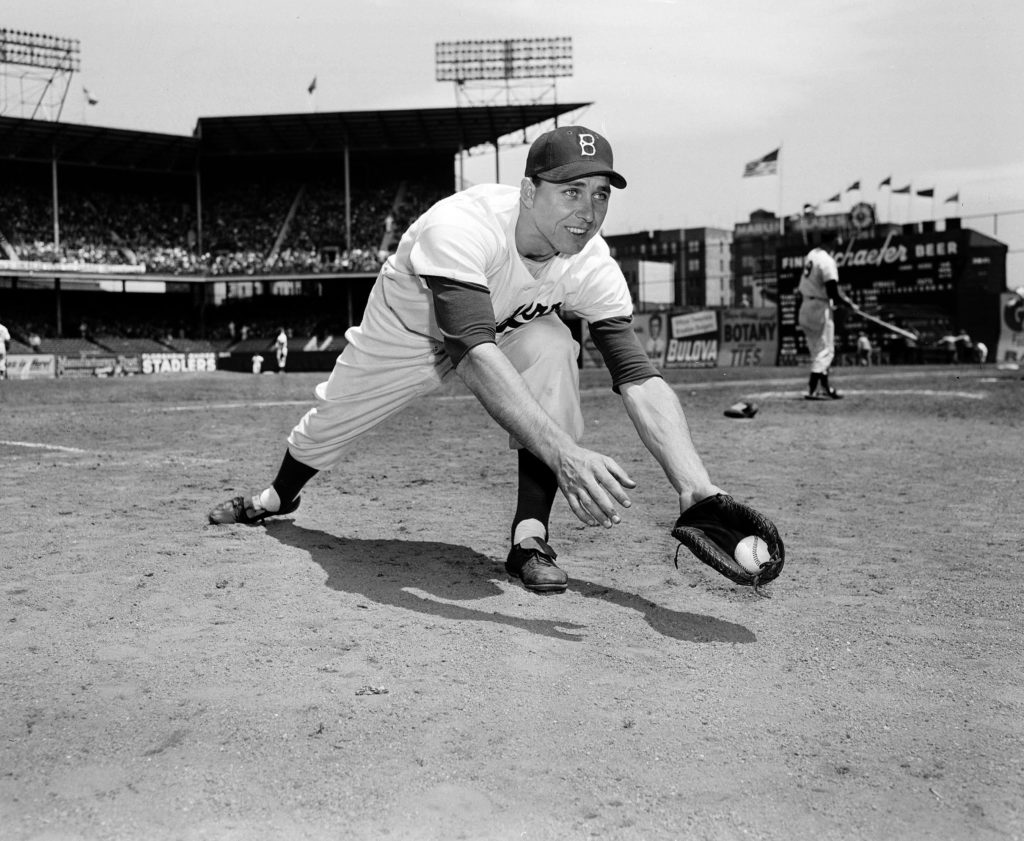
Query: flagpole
[782,222]
[311,89]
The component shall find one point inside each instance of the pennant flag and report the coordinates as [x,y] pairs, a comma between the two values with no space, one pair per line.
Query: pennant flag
[854,186]
[886,182]
[903,189]
[89,97]
[954,197]
[926,193]
[312,85]
[836,197]
[768,165]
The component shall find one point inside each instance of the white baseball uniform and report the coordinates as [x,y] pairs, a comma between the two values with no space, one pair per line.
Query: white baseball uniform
[815,317]
[281,349]
[397,353]
[5,337]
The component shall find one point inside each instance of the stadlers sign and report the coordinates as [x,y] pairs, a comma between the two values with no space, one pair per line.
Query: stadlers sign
[178,363]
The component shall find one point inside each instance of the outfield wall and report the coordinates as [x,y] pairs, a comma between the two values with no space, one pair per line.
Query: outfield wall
[722,338]
[725,338]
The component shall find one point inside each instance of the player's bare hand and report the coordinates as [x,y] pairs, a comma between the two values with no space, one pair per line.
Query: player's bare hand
[593,485]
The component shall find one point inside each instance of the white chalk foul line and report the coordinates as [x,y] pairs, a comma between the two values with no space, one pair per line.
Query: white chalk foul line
[883,392]
[204,407]
[36,446]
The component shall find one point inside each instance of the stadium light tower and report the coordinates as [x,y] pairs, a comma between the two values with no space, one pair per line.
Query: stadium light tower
[35,73]
[525,70]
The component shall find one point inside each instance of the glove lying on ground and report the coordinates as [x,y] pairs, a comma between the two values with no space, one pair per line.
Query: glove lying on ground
[712,528]
[741,410]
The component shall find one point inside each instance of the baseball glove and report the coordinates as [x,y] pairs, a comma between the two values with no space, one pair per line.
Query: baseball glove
[712,528]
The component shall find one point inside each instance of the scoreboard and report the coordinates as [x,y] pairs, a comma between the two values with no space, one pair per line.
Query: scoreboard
[933,282]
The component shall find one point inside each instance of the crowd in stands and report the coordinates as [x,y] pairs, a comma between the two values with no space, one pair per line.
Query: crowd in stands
[279,227]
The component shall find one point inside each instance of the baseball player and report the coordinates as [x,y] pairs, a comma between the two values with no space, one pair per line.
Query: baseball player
[281,349]
[819,294]
[5,337]
[477,285]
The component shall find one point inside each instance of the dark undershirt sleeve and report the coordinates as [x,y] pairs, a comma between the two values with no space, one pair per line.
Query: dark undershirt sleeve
[464,315]
[832,290]
[620,348]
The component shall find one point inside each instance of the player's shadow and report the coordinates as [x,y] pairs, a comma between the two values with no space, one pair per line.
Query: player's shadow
[391,571]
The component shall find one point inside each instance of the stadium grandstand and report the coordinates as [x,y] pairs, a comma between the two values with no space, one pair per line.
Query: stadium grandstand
[116,243]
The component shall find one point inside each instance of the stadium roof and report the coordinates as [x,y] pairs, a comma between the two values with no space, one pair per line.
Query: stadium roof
[425,129]
[39,140]
[430,129]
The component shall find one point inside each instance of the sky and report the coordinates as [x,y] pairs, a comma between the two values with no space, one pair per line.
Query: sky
[926,92]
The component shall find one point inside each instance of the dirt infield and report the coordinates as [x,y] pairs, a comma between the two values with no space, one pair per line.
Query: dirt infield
[364,669]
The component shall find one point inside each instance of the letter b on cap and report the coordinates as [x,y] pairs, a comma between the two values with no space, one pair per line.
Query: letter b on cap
[588,145]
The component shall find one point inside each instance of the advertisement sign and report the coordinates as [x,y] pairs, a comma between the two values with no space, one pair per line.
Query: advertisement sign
[693,341]
[900,277]
[49,267]
[651,331]
[82,366]
[1011,329]
[24,366]
[749,337]
[178,363]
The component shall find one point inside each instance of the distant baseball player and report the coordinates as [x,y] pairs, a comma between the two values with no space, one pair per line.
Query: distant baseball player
[863,349]
[477,285]
[819,294]
[281,349]
[5,337]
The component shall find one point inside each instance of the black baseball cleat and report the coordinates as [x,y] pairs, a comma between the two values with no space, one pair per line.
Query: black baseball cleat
[533,563]
[244,509]
[832,394]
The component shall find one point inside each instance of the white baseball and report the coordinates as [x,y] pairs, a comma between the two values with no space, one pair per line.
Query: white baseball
[752,553]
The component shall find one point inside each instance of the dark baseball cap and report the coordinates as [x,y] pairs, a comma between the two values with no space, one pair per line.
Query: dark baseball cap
[571,152]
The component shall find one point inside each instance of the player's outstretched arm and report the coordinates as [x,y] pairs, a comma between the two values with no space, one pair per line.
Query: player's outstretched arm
[659,419]
[837,295]
[592,483]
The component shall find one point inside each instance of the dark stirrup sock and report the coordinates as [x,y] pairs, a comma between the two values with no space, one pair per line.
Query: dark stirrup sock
[292,475]
[537,489]
[813,383]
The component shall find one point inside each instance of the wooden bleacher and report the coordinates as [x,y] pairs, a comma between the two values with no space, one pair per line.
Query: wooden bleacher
[130,347]
[72,347]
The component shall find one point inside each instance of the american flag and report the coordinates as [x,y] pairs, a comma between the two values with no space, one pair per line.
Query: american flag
[768,165]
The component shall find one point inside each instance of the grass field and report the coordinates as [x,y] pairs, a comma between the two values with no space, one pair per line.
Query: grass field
[365,669]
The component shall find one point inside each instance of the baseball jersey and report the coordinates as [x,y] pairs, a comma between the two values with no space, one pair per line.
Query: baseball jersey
[469,237]
[5,337]
[819,268]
